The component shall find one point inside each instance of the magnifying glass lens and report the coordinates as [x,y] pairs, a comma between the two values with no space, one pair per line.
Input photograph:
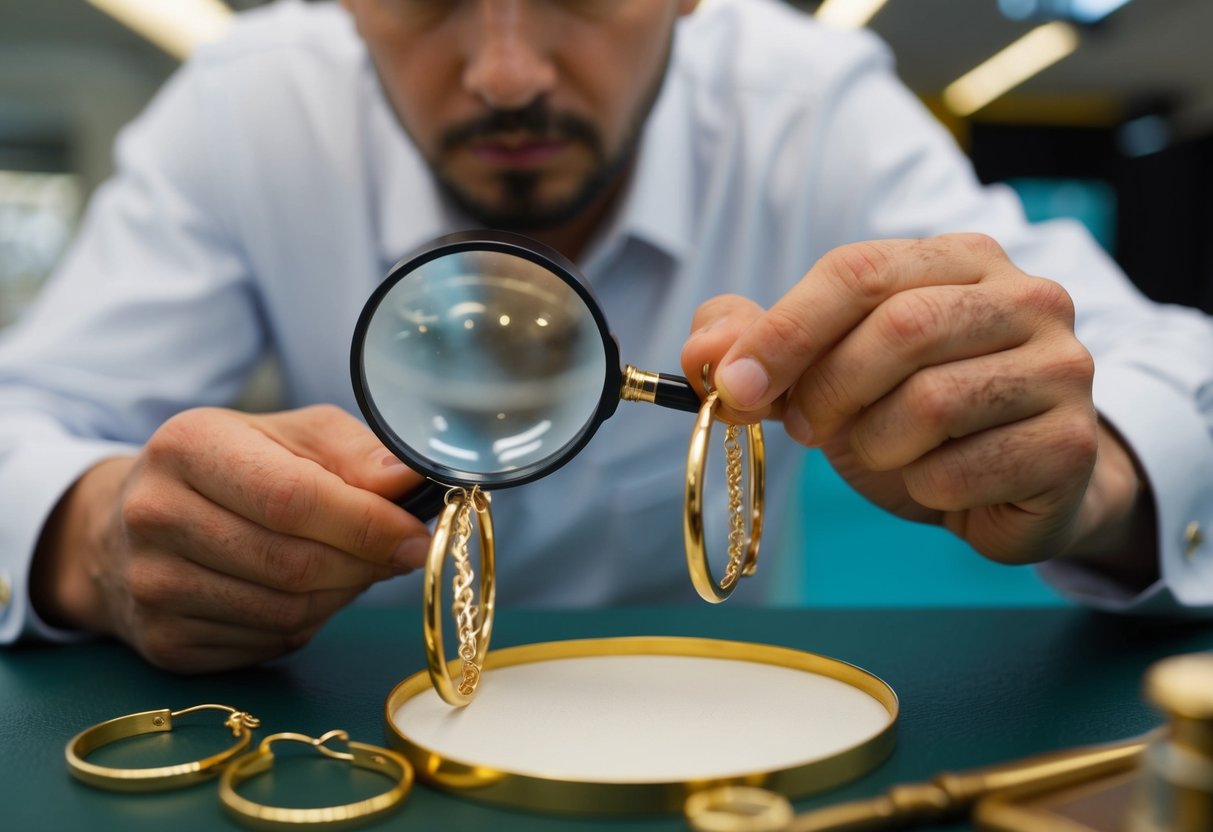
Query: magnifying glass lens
[483,364]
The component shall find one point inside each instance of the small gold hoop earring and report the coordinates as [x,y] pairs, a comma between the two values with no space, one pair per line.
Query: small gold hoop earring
[344,816]
[473,621]
[743,547]
[160,778]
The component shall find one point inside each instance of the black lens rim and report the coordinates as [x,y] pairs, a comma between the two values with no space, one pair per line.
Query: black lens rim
[506,243]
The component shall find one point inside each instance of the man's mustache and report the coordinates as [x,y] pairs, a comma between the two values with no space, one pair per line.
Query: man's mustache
[537,120]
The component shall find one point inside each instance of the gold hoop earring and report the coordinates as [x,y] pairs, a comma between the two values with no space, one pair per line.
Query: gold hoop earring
[473,622]
[159,778]
[344,816]
[743,547]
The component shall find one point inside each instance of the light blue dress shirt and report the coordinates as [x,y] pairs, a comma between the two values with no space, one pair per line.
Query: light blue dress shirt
[268,188]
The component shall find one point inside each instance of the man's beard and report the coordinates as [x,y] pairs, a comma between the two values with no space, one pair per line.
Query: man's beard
[520,206]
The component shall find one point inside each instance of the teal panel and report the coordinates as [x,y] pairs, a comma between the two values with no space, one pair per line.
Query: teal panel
[1090,201]
[842,551]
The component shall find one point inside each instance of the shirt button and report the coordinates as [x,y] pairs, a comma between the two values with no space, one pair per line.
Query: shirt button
[1193,537]
[6,590]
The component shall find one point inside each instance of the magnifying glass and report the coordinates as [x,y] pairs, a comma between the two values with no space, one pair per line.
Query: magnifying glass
[484,359]
[484,362]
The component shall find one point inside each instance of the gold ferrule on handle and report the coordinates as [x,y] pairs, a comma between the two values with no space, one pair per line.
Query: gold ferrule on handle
[639,385]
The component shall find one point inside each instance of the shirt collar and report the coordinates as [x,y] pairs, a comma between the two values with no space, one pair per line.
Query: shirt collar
[657,203]
[406,209]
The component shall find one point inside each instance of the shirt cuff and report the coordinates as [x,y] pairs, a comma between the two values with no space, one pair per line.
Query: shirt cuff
[1172,444]
[33,478]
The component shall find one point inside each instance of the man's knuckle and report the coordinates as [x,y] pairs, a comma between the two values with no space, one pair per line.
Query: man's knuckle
[1076,435]
[1049,298]
[715,307]
[163,647]
[981,245]
[944,482]
[367,533]
[146,510]
[827,390]
[288,614]
[932,400]
[187,429]
[145,584]
[912,320]
[786,327]
[158,648]
[863,268]
[326,415]
[865,448]
[1074,362]
[289,566]
[286,500]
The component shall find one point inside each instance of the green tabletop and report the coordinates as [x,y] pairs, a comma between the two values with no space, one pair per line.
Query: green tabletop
[976,687]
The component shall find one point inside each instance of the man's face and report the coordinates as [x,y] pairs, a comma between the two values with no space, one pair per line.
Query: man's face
[526,110]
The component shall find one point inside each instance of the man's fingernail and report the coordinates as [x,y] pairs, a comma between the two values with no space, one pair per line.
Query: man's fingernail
[798,427]
[389,460]
[411,553]
[745,380]
[708,327]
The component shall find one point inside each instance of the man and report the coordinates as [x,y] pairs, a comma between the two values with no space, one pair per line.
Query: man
[716,163]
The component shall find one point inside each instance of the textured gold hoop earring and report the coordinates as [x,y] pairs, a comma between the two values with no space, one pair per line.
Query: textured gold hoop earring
[344,816]
[473,622]
[159,778]
[745,522]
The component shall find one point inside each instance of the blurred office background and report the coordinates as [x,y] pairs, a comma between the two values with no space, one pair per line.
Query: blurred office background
[1113,124]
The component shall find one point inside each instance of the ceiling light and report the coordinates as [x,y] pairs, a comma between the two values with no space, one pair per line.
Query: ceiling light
[848,14]
[1143,136]
[1037,50]
[1080,11]
[1089,11]
[176,26]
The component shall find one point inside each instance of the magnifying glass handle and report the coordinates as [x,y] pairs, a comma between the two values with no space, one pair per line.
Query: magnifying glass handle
[663,389]
[425,501]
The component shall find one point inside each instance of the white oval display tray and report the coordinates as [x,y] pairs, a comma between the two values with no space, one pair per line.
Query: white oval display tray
[635,725]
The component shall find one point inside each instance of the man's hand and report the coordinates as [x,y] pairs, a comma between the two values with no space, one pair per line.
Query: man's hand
[230,539]
[943,383]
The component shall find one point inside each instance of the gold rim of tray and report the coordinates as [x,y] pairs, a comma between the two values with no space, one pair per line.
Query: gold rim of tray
[552,794]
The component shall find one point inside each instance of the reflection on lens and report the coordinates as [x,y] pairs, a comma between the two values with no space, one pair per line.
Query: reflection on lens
[484,362]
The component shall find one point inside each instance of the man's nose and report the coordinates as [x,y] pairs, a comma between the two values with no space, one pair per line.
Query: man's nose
[508,65]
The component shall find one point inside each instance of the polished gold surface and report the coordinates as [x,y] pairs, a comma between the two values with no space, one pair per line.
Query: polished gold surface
[1194,538]
[945,796]
[639,385]
[344,816]
[1161,783]
[473,623]
[756,462]
[530,791]
[1176,786]
[1101,805]
[738,809]
[157,778]
[1182,686]
[743,550]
